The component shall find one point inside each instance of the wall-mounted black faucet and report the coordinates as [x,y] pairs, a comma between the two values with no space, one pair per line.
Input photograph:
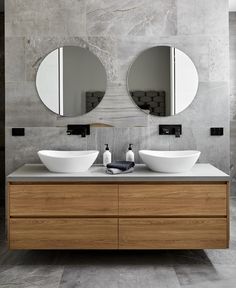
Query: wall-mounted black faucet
[82,130]
[170,130]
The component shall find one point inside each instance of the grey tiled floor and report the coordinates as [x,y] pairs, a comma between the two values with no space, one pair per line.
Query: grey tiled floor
[122,269]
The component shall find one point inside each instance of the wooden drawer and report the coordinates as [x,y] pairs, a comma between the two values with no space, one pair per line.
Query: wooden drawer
[62,233]
[63,200]
[173,200]
[173,233]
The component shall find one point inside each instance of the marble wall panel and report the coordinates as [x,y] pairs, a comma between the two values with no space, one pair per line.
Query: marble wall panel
[117,31]
[232,53]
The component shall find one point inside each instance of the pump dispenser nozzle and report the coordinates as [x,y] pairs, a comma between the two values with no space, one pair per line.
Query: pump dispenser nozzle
[130,146]
[107,147]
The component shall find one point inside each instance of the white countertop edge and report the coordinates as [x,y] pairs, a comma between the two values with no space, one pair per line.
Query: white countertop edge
[39,173]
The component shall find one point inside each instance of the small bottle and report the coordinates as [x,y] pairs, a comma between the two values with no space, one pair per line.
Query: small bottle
[130,154]
[106,156]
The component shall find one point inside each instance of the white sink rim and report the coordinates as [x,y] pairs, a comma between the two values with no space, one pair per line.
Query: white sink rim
[178,161]
[67,153]
[170,153]
[68,161]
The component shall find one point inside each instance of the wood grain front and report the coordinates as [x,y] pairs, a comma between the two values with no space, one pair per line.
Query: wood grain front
[118,216]
[58,233]
[63,200]
[173,200]
[173,233]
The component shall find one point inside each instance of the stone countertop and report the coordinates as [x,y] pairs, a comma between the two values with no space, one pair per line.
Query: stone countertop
[39,173]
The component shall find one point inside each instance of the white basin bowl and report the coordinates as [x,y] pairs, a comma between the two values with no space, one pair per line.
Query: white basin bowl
[170,161]
[68,161]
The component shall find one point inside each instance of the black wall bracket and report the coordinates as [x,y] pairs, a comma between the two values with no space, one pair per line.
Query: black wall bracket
[18,131]
[217,131]
[170,130]
[82,130]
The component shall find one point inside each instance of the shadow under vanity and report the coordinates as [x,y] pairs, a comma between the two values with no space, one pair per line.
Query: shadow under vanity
[181,206]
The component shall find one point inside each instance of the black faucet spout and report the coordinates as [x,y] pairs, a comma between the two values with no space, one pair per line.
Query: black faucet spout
[177,132]
[83,133]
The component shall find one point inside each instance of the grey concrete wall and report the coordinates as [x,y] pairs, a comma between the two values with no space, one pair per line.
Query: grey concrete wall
[117,31]
[2,111]
[232,54]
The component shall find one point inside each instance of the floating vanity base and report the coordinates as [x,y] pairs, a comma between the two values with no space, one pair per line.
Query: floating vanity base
[117,214]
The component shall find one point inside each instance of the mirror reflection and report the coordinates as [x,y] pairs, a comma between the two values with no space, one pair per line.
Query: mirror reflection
[163,81]
[71,81]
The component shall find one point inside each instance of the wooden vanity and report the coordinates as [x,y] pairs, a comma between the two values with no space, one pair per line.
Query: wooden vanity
[141,210]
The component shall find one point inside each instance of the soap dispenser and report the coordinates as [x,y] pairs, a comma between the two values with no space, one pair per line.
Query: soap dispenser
[106,156]
[130,154]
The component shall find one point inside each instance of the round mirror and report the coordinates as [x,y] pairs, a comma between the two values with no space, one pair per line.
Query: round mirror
[163,81]
[71,81]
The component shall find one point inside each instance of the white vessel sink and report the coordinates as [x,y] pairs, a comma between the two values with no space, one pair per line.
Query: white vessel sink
[68,161]
[170,161]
